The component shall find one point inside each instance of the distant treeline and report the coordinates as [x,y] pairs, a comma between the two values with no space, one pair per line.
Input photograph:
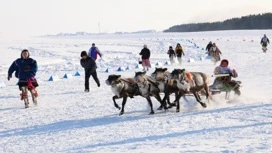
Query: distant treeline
[260,21]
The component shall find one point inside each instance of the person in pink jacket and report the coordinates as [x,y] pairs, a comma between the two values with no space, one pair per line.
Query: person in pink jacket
[223,69]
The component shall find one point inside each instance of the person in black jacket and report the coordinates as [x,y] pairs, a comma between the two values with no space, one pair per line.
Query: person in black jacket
[145,52]
[171,54]
[89,66]
[264,42]
[208,47]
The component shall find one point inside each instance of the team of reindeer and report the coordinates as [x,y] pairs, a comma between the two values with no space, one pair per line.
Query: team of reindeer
[179,82]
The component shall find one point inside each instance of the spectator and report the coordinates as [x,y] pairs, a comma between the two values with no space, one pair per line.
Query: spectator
[179,52]
[93,52]
[145,53]
[171,54]
[89,66]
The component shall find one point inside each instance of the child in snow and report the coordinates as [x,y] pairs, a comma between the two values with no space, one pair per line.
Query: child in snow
[25,70]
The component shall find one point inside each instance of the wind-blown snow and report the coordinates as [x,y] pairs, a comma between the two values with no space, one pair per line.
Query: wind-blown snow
[69,120]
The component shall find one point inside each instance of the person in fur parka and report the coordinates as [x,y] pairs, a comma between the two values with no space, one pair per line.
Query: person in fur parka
[179,52]
[215,53]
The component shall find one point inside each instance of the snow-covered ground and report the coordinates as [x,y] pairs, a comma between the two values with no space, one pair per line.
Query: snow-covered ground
[69,120]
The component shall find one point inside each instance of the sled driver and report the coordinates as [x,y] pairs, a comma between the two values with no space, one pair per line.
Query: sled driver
[221,80]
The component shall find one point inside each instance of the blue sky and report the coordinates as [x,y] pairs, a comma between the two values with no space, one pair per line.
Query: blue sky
[39,17]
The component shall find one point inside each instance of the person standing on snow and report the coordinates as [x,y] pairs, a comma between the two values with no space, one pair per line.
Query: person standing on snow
[208,47]
[25,70]
[179,52]
[215,53]
[171,54]
[93,52]
[264,42]
[89,66]
[145,53]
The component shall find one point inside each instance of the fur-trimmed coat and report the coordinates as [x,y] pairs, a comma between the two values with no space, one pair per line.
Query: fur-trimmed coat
[179,51]
[215,53]
[225,70]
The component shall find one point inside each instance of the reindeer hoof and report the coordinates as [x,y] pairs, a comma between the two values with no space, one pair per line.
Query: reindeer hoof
[121,113]
[160,108]
[151,113]
[177,110]
[172,104]
[118,107]
[204,105]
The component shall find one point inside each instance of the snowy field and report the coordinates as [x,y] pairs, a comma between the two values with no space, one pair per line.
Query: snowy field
[69,120]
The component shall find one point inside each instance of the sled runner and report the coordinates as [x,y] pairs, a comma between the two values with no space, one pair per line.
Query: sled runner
[226,86]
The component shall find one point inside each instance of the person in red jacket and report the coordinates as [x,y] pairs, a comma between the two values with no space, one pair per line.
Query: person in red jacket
[223,69]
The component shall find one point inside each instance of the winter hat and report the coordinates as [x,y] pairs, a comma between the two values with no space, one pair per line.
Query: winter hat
[25,50]
[145,46]
[224,60]
[93,44]
[83,53]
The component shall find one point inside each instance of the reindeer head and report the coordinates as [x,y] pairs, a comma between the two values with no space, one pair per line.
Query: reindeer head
[139,77]
[160,74]
[179,74]
[113,79]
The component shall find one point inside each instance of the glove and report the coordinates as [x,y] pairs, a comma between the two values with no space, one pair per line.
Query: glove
[26,68]
[9,78]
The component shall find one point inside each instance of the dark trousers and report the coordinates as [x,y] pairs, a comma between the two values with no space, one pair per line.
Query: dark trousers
[87,77]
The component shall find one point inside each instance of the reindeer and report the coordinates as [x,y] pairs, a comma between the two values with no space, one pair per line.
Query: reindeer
[165,84]
[148,87]
[191,82]
[122,88]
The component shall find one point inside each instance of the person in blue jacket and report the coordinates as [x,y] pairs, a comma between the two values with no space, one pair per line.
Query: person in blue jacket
[93,52]
[25,69]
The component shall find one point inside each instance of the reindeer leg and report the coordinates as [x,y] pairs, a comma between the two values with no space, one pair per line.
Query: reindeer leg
[168,101]
[123,105]
[150,104]
[180,94]
[163,102]
[199,99]
[207,93]
[115,104]
[176,100]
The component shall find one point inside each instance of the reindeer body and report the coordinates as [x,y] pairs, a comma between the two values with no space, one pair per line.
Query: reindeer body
[148,87]
[191,82]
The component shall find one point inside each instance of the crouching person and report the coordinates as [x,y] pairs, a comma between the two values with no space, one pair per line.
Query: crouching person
[89,66]
[25,69]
